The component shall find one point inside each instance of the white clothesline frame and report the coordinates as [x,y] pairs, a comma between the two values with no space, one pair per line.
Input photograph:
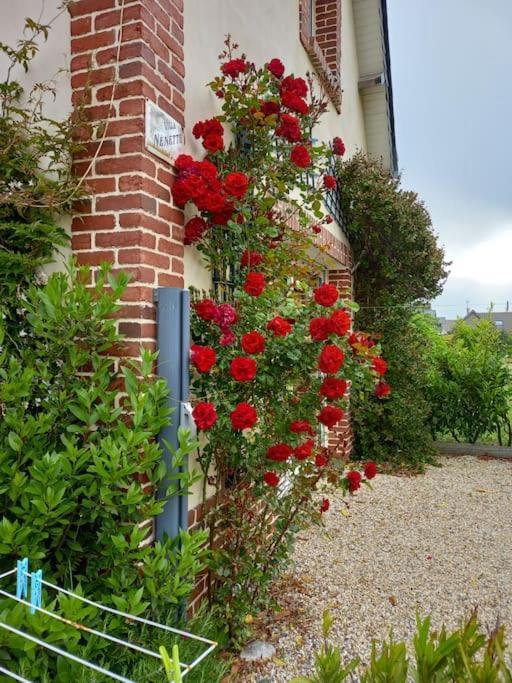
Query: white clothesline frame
[175,670]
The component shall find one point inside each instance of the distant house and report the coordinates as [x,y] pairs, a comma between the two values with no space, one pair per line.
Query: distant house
[502,320]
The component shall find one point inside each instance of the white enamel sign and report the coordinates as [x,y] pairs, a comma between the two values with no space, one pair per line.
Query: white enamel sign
[164,135]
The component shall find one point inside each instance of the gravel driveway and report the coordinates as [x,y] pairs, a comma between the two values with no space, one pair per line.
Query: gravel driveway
[440,543]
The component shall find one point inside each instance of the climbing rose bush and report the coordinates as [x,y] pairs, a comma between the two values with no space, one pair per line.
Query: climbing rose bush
[272,365]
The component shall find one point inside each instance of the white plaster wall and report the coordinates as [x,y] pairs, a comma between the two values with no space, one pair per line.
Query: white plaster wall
[263,29]
[50,64]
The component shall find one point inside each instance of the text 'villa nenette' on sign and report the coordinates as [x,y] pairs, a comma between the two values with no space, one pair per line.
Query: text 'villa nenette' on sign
[164,135]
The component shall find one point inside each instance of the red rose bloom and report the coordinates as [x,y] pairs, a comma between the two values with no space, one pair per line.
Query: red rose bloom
[300,156]
[194,230]
[324,505]
[271,478]
[225,316]
[206,309]
[276,67]
[279,326]
[321,460]
[234,67]
[183,161]
[224,215]
[338,147]
[280,452]
[227,338]
[203,358]
[319,329]
[289,128]
[370,469]
[213,143]
[292,101]
[380,366]
[382,389]
[331,359]
[326,295]
[251,259]
[304,450]
[243,369]
[354,480]
[244,416]
[300,426]
[253,342]
[316,229]
[205,415]
[180,192]
[333,388]
[329,219]
[211,201]
[340,322]
[254,283]
[269,107]
[330,415]
[296,85]
[329,182]
[236,184]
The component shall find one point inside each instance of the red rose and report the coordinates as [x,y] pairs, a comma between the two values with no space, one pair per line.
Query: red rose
[326,295]
[319,329]
[254,283]
[279,326]
[300,156]
[205,415]
[251,259]
[296,85]
[329,219]
[340,322]
[331,359]
[205,309]
[280,452]
[330,415]
[225,316]
[316,229]
[211,201]
[289,128]
[354,480]
[207,169]
[304,450]
[324,505]
[223,216]
[253,342]
[243,369]
[271,478]
[236,184]
[333,388]
[244,416]
[234,67]
[382,389]
[227,338]
[329,182]
[321,460]
[292,101]
[203,358]
[183,161]
[338,147]
[300,426]
[269,107]
[276,67]
[180,192]
[380,366]
[194,230]
[213,143]
[370,470]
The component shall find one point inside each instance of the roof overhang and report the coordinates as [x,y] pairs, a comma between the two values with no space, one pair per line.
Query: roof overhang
[375,86]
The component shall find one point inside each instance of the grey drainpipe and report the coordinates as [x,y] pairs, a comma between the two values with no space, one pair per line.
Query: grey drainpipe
[173,339]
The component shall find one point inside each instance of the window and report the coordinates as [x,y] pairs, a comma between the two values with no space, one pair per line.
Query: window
[320,34]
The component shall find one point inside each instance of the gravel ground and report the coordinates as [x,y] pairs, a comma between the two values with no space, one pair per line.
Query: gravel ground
[440,543]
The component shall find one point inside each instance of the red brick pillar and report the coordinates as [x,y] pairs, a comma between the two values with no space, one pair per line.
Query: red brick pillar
[341,437]
[124,51]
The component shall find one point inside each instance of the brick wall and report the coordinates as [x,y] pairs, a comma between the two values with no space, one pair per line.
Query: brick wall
[124,51]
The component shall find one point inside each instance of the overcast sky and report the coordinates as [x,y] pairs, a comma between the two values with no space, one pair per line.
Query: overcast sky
[451,63]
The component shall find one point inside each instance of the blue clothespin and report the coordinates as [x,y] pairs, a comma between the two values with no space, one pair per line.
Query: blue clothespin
[22,578]
[35,590]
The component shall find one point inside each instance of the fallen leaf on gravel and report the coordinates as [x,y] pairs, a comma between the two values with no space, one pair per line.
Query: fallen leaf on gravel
[483,491]
[278,662]
[393,600]
[299,640]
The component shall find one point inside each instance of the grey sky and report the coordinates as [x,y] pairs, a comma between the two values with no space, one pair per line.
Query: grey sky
[451,64]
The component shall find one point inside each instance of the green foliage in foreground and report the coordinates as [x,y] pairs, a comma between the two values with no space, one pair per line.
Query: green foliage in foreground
[465,656]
